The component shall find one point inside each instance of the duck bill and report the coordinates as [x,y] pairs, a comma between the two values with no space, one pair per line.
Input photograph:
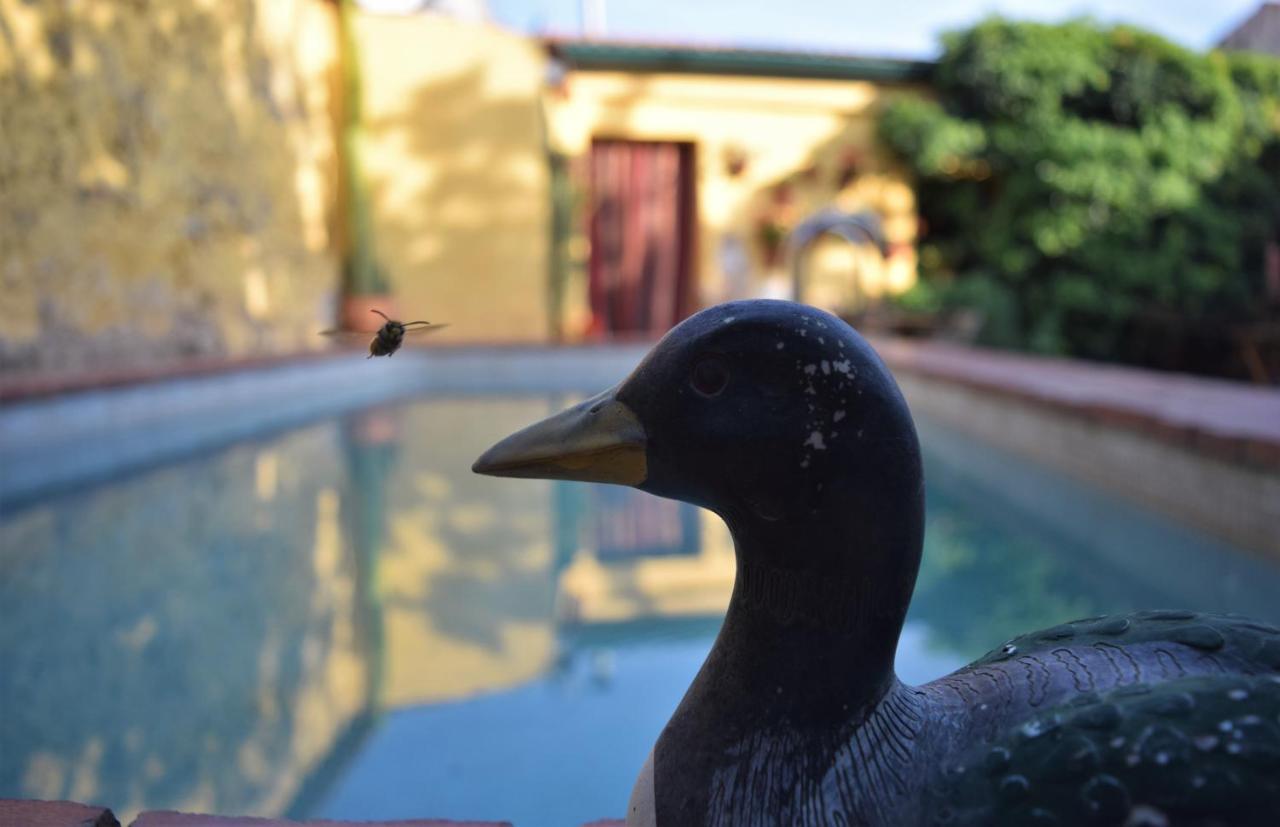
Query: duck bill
[600,440]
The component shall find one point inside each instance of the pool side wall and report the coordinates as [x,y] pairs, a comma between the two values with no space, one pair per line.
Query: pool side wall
[1210,466]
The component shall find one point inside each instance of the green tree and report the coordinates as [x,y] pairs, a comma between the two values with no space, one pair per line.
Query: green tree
[1096,191]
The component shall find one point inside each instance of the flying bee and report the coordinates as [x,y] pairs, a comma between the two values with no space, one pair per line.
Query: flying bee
[390,336]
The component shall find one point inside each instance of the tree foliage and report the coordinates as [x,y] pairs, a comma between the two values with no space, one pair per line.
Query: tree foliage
[1095,191]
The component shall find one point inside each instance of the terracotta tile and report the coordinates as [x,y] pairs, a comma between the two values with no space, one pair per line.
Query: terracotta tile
[54,814]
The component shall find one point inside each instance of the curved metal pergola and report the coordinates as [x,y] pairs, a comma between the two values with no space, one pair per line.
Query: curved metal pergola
[856,228]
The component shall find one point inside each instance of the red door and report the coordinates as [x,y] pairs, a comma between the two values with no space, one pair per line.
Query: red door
[641,236]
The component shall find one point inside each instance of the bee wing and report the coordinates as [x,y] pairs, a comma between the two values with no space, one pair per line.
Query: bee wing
[348,335]
[431,328]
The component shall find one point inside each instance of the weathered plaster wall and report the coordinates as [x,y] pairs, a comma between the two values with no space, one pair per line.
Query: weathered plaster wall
[166,180]
[453,153]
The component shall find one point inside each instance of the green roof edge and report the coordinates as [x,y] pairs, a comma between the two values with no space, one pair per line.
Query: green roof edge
[581,54]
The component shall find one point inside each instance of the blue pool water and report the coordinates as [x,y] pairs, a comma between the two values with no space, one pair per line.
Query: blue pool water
[340,620]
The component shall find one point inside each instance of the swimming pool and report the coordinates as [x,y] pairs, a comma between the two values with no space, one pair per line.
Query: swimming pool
[339,620]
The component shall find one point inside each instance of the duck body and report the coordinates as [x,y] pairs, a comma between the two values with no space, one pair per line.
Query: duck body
[1172,715]
[782,420]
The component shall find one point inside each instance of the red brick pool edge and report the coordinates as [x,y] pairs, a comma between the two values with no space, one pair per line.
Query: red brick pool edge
[15,813]
[165,818]
[1227,420]
[24,813]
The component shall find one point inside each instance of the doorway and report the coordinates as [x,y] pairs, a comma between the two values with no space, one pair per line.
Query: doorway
[642,237]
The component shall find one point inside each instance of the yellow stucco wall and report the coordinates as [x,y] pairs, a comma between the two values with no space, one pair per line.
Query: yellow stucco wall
[787,132]
[166,177]
[453,154]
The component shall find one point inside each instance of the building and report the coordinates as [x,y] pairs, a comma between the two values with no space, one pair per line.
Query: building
[1260,32]
[566,189]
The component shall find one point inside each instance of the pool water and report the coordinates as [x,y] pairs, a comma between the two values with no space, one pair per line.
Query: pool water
[342,621]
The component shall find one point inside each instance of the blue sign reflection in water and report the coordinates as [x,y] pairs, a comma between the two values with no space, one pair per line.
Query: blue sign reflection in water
[342,621]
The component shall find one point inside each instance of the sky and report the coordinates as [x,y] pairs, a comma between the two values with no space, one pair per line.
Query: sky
[901,28]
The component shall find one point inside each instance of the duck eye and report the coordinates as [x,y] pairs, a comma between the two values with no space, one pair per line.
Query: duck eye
[710,376]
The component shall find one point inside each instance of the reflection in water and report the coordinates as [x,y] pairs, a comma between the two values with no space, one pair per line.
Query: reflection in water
[185,637]
[343,621]
[465,572]
[627,524]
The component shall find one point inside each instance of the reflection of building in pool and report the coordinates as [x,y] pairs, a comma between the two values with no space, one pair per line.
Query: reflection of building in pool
[626,523]
[193,637]
[219,634]
[626,555]
[464,576]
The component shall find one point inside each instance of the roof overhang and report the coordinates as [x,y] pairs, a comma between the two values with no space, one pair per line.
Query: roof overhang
[602,55]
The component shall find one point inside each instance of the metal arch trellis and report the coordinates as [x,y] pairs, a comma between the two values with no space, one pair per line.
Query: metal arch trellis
[857,228]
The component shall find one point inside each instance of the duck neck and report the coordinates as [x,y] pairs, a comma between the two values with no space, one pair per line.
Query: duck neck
[816,612]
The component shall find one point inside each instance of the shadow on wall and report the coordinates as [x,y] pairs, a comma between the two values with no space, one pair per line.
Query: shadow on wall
[462,219]
[167,181]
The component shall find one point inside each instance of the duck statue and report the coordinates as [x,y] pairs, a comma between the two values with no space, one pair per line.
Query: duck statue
[782,420]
